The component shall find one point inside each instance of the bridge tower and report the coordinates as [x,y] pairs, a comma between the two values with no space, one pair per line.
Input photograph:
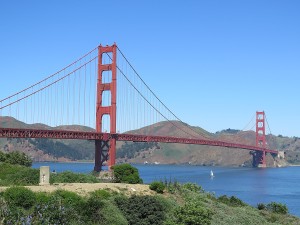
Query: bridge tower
[259,157]
[106,149]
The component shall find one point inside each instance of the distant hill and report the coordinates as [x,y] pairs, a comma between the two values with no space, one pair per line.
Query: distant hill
[47,149]
[205,155]
[69,150]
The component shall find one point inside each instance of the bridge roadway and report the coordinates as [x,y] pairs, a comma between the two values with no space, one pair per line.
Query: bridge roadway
[66,134]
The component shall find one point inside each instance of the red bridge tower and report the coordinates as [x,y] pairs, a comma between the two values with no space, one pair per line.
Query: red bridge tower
[259,157]
[106,149]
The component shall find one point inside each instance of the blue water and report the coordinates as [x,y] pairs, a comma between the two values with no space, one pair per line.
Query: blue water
[252,185]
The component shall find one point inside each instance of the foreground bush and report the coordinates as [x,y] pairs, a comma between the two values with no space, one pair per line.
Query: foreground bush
[18,175]
[192,187]
[70,177]
[277,208]
[192,213]
[232,201]
[17,158]
[141,210]
[125,173]
[157,186]
[273,207]
[20,196]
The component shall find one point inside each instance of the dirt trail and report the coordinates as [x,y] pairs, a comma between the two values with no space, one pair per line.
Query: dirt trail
[85,188]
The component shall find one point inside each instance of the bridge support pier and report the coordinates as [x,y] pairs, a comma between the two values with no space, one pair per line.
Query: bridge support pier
[259,159]
[101,154]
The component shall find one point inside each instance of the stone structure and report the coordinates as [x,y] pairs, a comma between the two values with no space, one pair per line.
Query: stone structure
[44,175]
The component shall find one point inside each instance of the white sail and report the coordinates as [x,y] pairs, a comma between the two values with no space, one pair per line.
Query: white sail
[211,173]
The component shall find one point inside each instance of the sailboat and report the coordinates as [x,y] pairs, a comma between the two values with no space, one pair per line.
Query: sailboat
[211,174]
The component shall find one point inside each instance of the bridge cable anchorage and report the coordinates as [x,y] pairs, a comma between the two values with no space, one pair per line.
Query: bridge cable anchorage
[155,108]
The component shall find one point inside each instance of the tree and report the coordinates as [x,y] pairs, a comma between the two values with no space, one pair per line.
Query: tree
[125,173]
[19,158]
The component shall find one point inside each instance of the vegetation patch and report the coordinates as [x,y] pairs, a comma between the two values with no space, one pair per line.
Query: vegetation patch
[157,186]
[141,209]
[180,204]
[125,173]
[16,158]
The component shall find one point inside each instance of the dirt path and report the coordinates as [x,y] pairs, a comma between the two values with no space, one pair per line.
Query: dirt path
[85,188]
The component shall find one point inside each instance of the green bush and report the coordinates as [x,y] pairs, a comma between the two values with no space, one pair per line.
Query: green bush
[261,206]
[112,215]
[192,213]
[68,197]
[26,176]
[232,201]
[157,186]
[17,175]
[277,208]
[141,209]
[192,187]
[92,210]
[125,173]
[20,197]
[101,194]
[70,177]
[53,211]
[18,158]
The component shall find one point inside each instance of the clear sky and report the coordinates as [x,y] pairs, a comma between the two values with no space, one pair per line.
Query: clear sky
[214,63]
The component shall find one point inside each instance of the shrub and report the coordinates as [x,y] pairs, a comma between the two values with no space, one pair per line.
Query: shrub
[67,197]
[192,187]
[26,176]
[20,196]
[53,211]
[112,215]
[277,208]
[193,213]
[157,186]
[261,206]
[18,175]
[19,158]
[69,177]
[173,186]
[232,201]
[92,210]
[101,194]
[141,209]
[125,173]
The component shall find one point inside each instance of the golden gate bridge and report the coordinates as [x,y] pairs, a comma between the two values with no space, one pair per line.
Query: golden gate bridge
[104,91]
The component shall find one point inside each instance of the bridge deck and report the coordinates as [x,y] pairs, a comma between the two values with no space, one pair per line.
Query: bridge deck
[65,134]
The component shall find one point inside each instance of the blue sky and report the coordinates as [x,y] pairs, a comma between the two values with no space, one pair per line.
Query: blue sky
[214,63]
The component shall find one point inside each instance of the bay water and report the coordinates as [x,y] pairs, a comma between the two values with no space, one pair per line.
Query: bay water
[252,185]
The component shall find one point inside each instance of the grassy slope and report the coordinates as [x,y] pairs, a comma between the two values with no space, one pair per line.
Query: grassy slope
[222,214]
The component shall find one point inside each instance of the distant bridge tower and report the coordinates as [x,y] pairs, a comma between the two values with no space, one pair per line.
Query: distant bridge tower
[259,157]
[105,150]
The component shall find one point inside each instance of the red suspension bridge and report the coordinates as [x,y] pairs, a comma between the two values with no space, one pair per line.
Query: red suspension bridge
[120,104]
